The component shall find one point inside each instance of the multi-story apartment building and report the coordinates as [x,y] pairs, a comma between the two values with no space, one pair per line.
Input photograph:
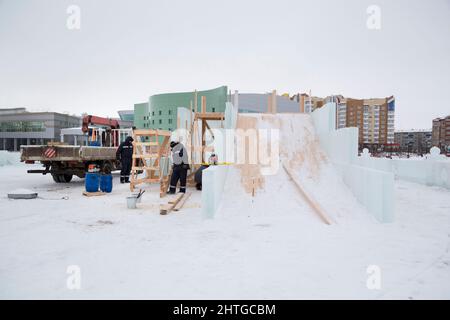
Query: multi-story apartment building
[19,127]
[413,141]
[373,117]
[441,134]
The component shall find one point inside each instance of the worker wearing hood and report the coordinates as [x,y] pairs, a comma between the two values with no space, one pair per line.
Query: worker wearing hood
[125,155]
[180,167]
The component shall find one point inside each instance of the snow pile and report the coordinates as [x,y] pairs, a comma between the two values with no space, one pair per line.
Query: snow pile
[9,158]
[300,151]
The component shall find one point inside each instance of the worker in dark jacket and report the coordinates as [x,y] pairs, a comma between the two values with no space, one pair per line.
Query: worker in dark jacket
[125,155]
[180,167]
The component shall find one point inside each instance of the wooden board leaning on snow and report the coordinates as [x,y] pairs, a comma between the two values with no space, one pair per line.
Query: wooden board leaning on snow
[93,194]
[313,204]
[176,203]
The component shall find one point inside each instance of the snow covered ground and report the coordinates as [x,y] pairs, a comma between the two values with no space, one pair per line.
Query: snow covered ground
[252,249]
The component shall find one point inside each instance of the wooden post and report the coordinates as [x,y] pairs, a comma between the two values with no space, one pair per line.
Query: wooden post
[302,103]
[195,101]
[203,104]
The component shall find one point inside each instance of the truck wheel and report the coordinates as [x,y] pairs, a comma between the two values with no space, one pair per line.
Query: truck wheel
[62,178]
[66,178]
[56,178]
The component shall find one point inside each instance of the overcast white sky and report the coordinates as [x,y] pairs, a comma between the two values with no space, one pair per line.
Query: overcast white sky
[128,50]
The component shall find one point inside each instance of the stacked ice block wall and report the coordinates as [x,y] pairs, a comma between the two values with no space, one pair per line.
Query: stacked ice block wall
[432,170]
[214,177]
[374,188]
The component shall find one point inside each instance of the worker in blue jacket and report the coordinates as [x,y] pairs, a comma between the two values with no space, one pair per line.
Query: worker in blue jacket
[125,155]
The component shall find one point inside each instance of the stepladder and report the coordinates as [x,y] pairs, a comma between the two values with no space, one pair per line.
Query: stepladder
[150,163]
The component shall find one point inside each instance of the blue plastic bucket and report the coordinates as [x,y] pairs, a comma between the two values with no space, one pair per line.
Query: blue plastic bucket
[92,182]
[106,182]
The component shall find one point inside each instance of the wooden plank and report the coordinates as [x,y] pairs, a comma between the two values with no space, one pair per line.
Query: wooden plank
[166,208]
[180,203]
[151,143]
[209,129]
[309,199]
[176,198]
[164,133]
[195,101]
[203,104]
[93,194]
[146,156]
[145,180]
[144,132]
[210,116]
[144,168]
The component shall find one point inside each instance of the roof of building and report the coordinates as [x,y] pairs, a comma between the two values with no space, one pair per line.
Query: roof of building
[258,102]
[12,110]
[23,111]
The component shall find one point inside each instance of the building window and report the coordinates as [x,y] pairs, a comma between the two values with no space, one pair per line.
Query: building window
[160,112]
[153,113]
[160,121]
[170,121]
[170,112]
[213,109]
[153,121]
[22,126]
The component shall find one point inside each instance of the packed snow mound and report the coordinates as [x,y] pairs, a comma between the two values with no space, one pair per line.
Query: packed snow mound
[300,152]
[9,158]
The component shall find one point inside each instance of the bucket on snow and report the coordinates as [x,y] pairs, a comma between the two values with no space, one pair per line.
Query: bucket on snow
[131,202]
[135,194]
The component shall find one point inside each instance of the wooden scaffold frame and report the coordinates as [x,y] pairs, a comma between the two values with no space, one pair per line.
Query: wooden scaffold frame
[150,157]
[197,141]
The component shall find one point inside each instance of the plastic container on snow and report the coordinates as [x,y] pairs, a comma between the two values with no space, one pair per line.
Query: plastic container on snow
[106,182]
[92,182]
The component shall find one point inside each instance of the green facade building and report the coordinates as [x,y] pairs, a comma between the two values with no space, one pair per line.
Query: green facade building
[141,113]
[161,110]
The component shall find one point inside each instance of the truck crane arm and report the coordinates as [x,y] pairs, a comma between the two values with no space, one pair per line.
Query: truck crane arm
[100,121]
